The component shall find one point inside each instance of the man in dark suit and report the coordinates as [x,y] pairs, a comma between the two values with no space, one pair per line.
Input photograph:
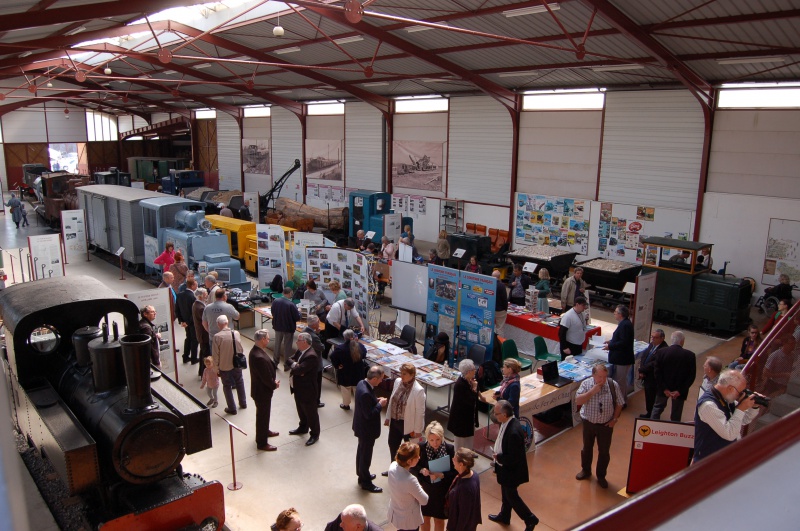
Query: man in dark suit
[183,311]
[353,518]
[675,370]
[511,467]
[284,321]
[367,425]
[316,343]
[303,384]
[263,384]
[620,350]
[647,370]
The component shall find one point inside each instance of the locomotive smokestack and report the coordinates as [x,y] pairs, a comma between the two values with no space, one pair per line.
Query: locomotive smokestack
[107,370]
[80,340]
[136,357]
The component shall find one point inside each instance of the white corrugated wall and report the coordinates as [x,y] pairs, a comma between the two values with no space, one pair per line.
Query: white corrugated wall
[287,145]
[479,162]
[229,152]
[25,125]
[60,129]
[652,149]
[364,148]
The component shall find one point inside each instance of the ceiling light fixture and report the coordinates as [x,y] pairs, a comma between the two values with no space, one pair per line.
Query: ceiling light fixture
[26,54]
[277,31]
[417,29]
[75,31]
[376,84]
[170,72]
[517,74]
[751,60]
[530,10]
[107,70]
[202,66]
[616,68]
[49,84]
[281,91]
[287,50]
[346,40]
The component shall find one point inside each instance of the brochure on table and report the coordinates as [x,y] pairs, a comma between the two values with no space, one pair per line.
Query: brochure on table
[73,230]
[160,299]
[349,268]
[271,254]
[46,258]
[557,221]
[460,302]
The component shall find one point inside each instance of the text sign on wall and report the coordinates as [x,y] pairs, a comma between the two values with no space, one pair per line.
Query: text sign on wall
[660,448]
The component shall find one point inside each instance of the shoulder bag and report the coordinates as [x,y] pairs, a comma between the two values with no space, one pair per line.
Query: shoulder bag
[239,359]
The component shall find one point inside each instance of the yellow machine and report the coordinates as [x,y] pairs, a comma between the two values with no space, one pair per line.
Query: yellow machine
[236,230]
[251,251]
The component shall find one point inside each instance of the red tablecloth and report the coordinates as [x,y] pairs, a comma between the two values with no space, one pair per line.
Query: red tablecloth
[539,328]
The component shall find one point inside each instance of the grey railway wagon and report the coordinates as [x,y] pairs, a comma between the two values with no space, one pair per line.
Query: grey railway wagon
[114,218]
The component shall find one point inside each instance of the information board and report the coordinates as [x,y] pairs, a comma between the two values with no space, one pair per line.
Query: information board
[271,254]
[161,300]
[557,221]
[644,306]
[73,230]
[782,256]
[47,259]
[660,448]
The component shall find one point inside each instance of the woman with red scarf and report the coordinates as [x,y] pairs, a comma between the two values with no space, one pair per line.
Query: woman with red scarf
[510,387]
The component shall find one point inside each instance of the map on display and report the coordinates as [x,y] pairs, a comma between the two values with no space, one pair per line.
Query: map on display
[782,256]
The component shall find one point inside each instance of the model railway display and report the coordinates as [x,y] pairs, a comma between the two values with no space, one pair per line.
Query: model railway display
[687,293]
[608,277]
[114,428]
[557,261]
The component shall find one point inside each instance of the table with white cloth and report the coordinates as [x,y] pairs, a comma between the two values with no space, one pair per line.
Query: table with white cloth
[523,327]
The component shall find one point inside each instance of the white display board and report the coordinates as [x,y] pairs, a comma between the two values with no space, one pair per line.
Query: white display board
[349,268]
[616,229]
[782,256]
[561,222]
[271,254]
[46,256]
[301,241]
[393,226]
[73,230]
[161,300]
[413,279]
[644,306]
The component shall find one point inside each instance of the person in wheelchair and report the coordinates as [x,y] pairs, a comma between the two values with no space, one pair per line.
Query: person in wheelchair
[783,290]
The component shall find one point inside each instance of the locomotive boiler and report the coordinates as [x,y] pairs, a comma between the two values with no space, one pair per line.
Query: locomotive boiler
[115,428]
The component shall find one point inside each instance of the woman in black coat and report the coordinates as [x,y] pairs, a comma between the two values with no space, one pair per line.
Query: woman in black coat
[464,408]
[435,484]
[348,358]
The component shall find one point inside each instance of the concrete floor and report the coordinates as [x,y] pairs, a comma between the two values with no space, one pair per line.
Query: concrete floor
[320,480]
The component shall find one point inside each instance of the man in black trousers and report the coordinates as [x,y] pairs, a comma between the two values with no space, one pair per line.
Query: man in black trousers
[263,383]
[183,311]
[367,425]
[511,467]
[316,343]
[620,350]
[647,370]
[303,384]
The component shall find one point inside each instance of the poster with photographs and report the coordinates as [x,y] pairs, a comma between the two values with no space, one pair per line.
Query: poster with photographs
[556,221]
[301,241]
[349,268]
[442,309]
[476,323]
[617,230]
[782,256]
[418,165]
[324,160]
[271,254]
[46,258]
[73,231]
[160,300]
[255,156]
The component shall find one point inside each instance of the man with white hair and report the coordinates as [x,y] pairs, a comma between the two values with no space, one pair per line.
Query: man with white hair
[721,413]
[675,370]
[226,343]
[353,518]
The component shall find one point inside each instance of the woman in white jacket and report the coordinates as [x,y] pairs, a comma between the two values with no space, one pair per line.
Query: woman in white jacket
[405,411]
[406,496]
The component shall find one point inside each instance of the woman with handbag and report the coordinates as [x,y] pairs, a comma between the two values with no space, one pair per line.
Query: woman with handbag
[464,497]
[227,348]
[348,358]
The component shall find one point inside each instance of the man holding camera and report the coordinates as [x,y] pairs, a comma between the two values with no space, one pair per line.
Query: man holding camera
[721,413]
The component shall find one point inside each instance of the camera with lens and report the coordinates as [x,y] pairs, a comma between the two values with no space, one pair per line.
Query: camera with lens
[759,400]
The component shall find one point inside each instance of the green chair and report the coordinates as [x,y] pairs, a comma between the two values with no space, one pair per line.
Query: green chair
[509,350]
[541,353]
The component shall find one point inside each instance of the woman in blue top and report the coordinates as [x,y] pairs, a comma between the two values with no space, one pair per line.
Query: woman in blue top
[542,304]
[510,387]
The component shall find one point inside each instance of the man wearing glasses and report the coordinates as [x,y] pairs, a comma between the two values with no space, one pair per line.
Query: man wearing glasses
[721,413]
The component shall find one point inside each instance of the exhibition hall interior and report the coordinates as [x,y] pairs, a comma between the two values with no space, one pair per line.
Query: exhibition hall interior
[399,264]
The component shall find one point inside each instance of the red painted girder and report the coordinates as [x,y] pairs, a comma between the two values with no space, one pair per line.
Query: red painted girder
[636,33]
[62,15]
[503,95]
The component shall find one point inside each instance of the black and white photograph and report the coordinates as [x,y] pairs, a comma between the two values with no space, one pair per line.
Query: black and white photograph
[418,165]
[324,160]
[255,156]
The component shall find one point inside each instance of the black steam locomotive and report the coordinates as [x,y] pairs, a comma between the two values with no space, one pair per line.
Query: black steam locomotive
[113,427]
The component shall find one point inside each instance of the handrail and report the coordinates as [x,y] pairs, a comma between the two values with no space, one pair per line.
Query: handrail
[692,485]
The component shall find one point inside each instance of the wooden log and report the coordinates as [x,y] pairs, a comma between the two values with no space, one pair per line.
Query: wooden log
[335,219]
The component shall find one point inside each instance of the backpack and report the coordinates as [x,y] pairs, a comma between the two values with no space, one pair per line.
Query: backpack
[277,284]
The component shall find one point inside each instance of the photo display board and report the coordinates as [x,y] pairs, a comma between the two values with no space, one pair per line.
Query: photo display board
[301,241]
[783,252]
[349,268]
[548,220]
[617,229]
[160,299]
[73,230]
[271,254]
[47,260]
